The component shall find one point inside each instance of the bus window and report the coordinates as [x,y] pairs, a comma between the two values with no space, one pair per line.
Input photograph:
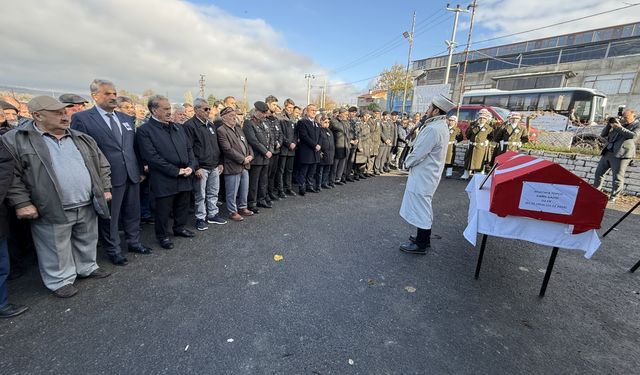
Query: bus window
[599,104]
[524,102]
[474,100]
[583,111]
[556,102]
[497,100]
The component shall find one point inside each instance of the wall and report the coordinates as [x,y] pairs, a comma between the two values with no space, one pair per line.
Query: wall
[583,166]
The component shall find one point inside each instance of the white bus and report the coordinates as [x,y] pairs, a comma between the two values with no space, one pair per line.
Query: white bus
[588,104]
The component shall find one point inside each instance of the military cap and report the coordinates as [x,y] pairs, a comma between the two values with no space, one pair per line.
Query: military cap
[353,109]
[342,110]
[72,99]
[394,113]
[226,110]
[385,113]
[261,106]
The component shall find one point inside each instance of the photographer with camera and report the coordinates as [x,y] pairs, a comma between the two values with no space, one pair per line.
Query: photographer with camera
[619,150]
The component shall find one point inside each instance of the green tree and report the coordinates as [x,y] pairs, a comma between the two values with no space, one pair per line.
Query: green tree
[211,99]
[373,107]
[393,80]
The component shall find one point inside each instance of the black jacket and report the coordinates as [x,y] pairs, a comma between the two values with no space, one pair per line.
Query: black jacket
[7,162]
[289,135]
[276,133]
[204,142]
[260,138]
[327,147]
[165,148]
[309,133]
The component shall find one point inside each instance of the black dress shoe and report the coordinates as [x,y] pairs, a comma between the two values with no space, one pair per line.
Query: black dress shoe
[412,248]
[291,193]
[265,204]
[282,195]
[118,260]
[412,239]
[147,220]
[340,183]
[184,233]
[301,192]
[274,197]
[166,243]
[355,178]
[140,249]
[325,186]
[10,310]
[350,179]
[312,190]
[255,210]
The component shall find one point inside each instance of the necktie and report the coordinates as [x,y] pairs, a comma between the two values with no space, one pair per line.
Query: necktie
[115,129]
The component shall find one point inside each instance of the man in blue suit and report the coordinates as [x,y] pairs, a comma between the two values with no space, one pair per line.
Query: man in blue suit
[114,132]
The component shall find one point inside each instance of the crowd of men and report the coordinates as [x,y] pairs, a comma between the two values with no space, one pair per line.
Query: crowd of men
[73,177]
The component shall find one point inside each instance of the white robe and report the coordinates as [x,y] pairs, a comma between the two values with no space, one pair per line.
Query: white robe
[425,163]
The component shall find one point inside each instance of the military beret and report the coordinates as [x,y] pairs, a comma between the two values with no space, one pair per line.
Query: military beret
[261,106]
[353,109]
[72,99]
[385,113]
[394,113]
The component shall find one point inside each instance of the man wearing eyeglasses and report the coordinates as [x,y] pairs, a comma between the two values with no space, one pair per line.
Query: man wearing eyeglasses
[204,141]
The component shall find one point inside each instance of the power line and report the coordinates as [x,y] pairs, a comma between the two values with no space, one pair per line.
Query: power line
[384,48]
[556,24]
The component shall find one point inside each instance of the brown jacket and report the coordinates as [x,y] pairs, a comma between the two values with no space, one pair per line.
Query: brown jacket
[231,141]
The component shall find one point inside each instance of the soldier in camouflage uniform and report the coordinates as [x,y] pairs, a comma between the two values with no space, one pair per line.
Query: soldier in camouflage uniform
[375,128]
[364,145]
[353,142]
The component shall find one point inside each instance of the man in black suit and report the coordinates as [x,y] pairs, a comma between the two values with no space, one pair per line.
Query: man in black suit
[259,136]
[309,150]
[114,132]
[165,148]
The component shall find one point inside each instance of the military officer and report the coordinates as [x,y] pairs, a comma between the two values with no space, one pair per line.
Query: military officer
[511,136]
[477,134]
[386,141]
[364,145]
[275,126]
[455,136]
[259,136]
[375,126]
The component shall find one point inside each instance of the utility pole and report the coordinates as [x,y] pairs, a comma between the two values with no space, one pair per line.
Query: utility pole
[202,85]
[466,55]
[408,36]
[324,93]
[244,96]
[452,43]
[309,77]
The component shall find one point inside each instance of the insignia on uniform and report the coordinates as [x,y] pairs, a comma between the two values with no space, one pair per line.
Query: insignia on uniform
[242,137]
[126,126]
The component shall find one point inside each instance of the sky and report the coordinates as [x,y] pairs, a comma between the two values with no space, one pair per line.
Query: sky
[164,45]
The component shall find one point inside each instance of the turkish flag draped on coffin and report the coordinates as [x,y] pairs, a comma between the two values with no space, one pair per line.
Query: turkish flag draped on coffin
[523,185]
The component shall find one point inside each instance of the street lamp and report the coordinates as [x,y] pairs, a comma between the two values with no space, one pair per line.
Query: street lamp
[409,37]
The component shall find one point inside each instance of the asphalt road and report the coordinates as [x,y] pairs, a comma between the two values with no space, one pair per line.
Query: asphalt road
[343,300]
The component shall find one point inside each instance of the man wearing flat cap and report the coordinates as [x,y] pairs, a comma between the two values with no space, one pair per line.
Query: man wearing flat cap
[61,184]
[425,162]
[260,138]
[77,103]
[8,117]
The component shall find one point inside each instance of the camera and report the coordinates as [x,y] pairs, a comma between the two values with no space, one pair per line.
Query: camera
[613,120]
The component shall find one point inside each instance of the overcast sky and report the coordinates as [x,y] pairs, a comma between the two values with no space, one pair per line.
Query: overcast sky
[164,45]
